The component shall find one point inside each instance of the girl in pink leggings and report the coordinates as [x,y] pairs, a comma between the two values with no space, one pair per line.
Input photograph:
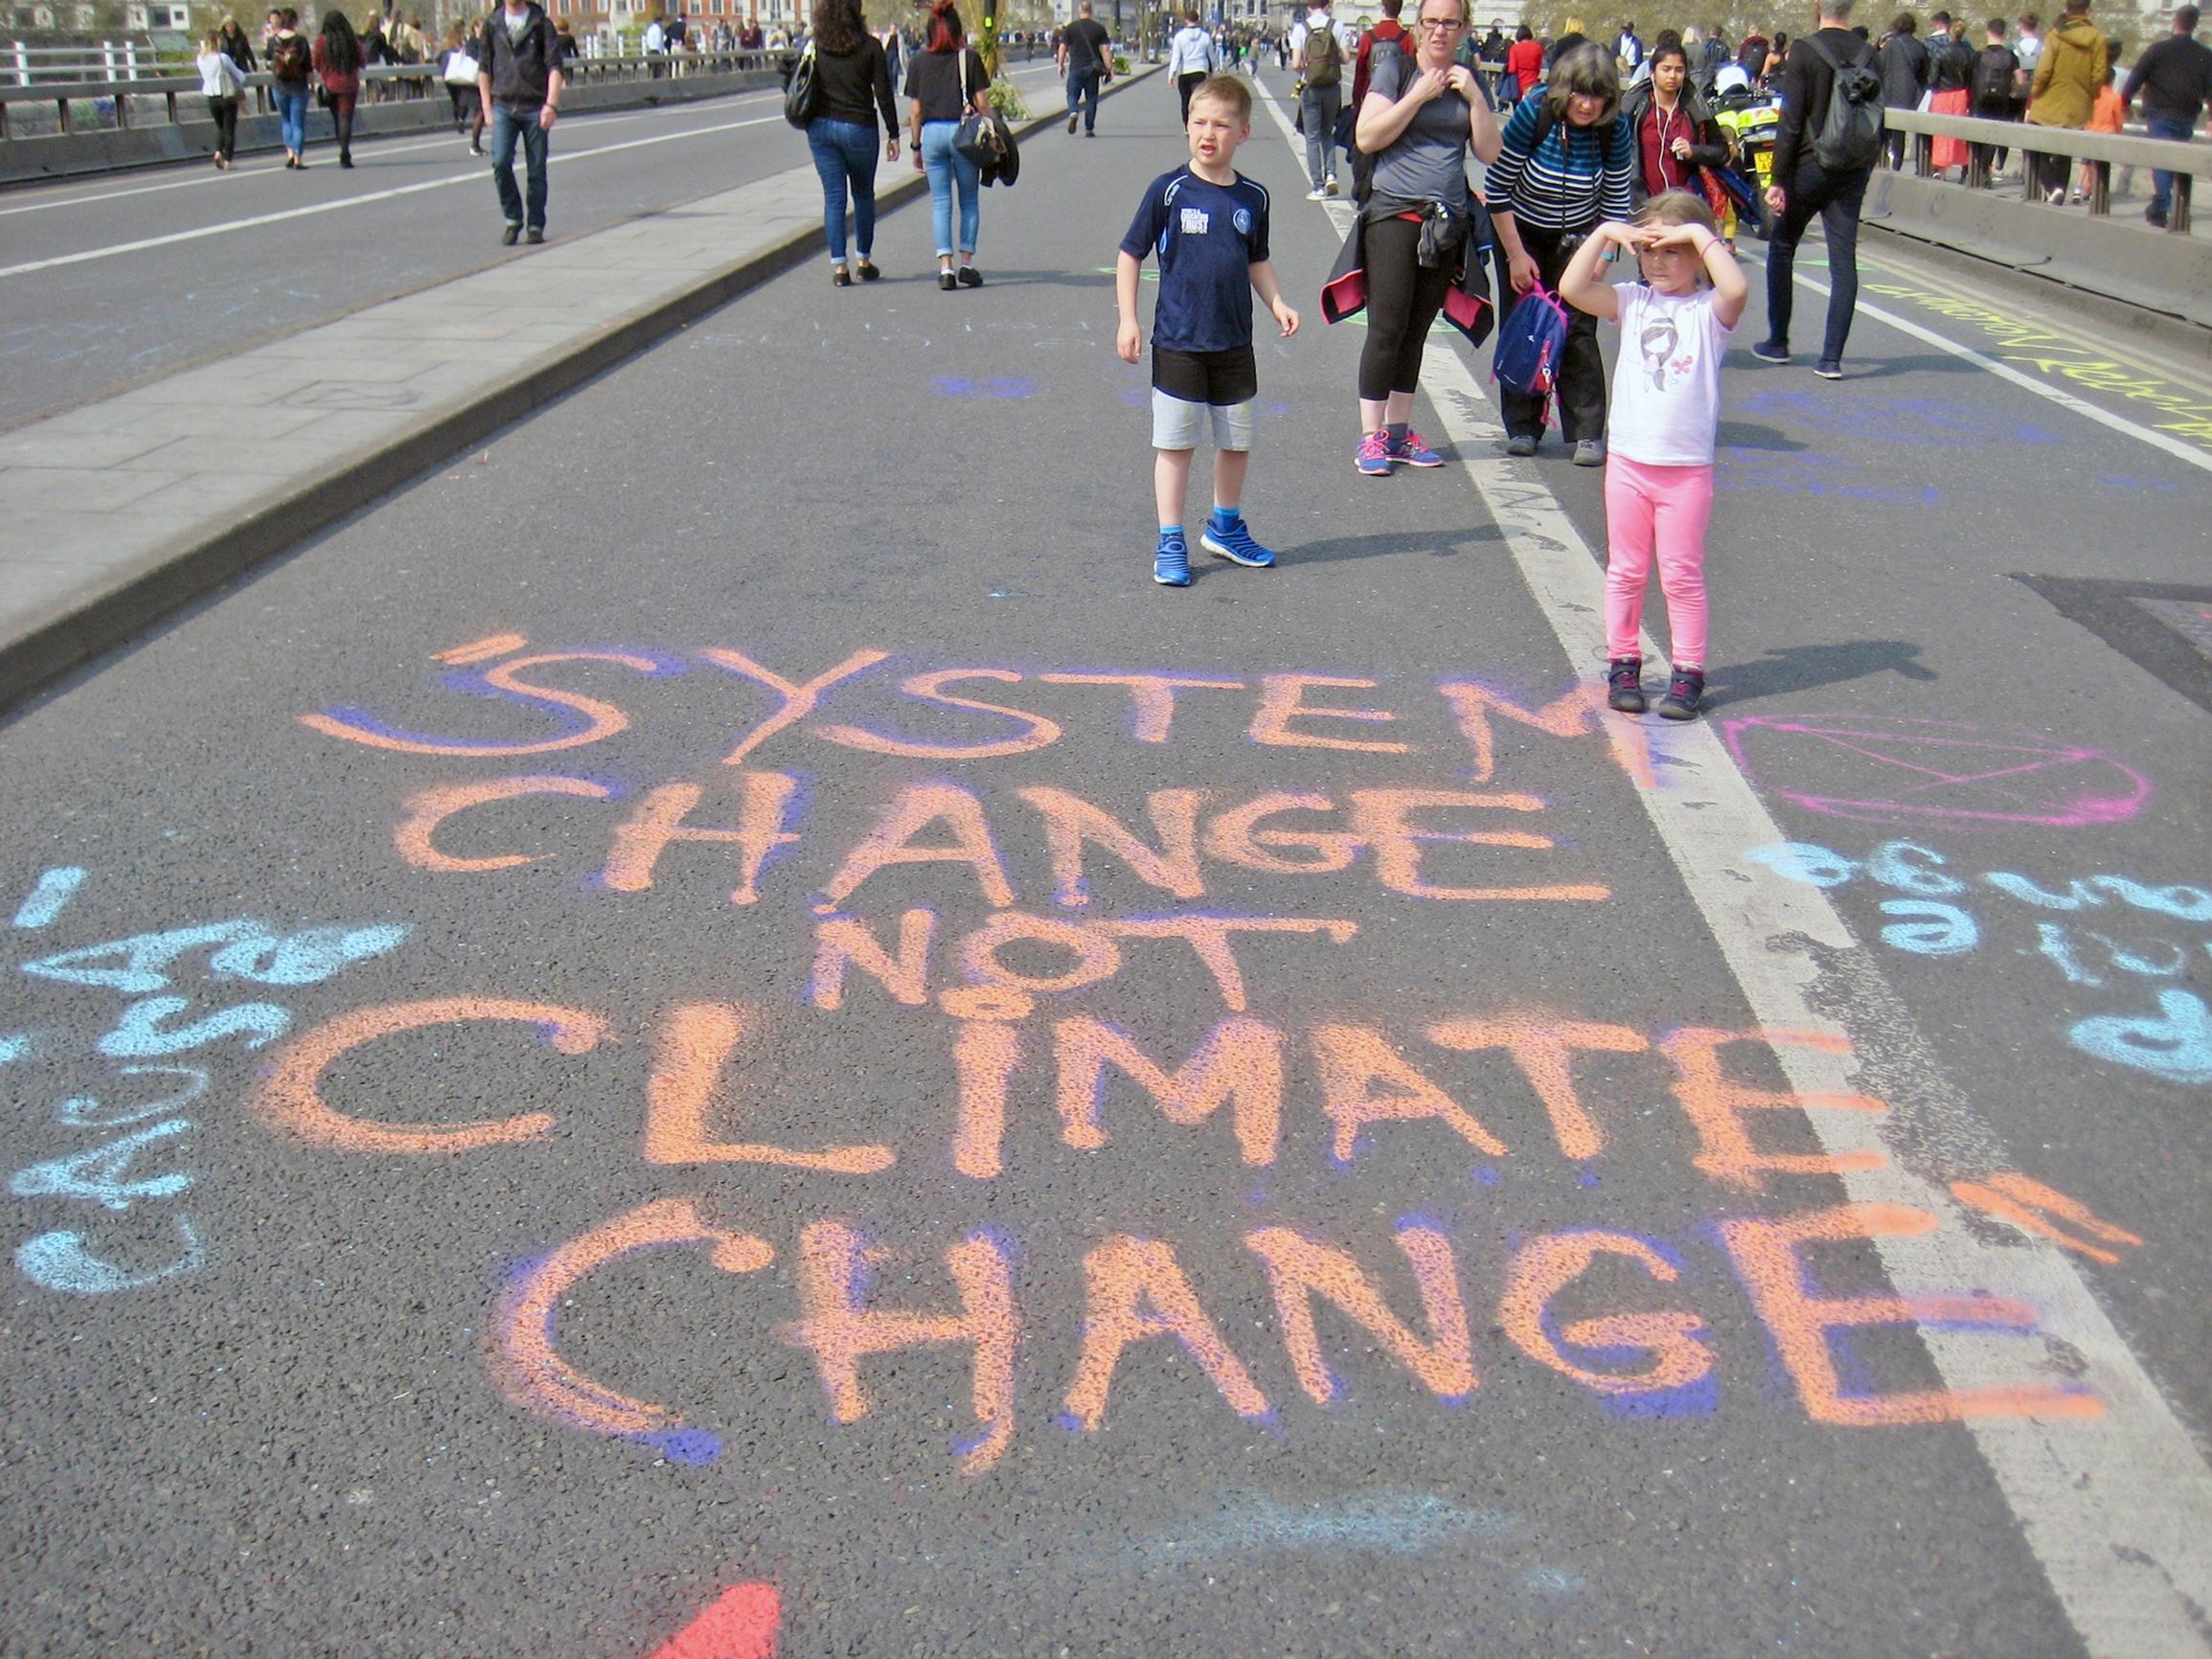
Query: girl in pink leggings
[1666,410]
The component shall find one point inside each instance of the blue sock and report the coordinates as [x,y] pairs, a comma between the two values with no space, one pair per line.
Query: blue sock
[1170,532]
[1226,518]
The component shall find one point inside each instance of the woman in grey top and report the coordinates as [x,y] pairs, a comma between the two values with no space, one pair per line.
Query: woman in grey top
[1423,113]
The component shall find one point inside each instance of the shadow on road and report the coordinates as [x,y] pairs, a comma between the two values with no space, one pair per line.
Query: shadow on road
[1808,667]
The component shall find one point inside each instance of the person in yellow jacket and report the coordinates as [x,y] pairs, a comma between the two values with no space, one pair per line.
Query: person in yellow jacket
[2072,67]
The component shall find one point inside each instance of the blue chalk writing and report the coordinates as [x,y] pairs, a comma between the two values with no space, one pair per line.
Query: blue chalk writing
[98,1174]
[58,1260]
[1934,930]
[305,958]
[56,888]
[1803,861]
[2175,1044]
[137,1033]
[144,957]
[83,1112]
[1894,864]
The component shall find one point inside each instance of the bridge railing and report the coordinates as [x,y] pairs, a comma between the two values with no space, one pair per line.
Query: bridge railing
[124,103]
[2102,151]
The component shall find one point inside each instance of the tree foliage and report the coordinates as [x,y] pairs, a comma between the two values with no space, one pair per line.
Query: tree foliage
[1602,19]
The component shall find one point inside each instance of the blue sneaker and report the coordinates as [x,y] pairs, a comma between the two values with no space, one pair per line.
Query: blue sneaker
[1234,540]
[1171,563]
[1415,451]
[1374,456]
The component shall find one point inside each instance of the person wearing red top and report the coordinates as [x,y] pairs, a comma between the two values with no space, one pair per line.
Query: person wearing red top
[1524,61]
[338,60]
[1389,34]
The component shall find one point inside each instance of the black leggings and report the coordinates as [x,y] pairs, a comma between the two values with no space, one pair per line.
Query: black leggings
[224,112]
[342,118]
[1403,300]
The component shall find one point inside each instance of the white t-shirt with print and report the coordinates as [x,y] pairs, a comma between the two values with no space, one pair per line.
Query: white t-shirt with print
[1667,383]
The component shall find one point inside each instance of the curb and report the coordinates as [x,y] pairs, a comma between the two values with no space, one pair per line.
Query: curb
[143,593]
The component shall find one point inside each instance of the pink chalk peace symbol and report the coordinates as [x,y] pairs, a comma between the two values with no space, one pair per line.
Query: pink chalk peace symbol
[1879,770]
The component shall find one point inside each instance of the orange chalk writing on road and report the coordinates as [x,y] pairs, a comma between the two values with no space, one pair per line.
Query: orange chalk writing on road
[1572,714]
[984,1055]
[1716,1105]
[290,1097]
[1545,1265]
[1543,1046]
[845,942]
[1299,1270]
[741,1625]
[1134,1290]
[1209,936]
[799,700]
[480,651]
[430,809]
[1041,732]
[659,819]
[601,719]
[1235,837]
[1803,1323]
[1070,820]
[1239,1065]
[528,1366]
[840,1329]
[2031,1206]
[1380,819]
[695,1046]
[1282,700]
[1152,698]
[1354,1058]
[911,811]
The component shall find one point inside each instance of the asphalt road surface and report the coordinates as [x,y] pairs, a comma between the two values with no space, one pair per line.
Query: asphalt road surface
[717,1030]
[108,281]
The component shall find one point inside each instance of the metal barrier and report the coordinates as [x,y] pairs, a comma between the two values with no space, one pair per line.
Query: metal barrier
[112,108]
[2102,151]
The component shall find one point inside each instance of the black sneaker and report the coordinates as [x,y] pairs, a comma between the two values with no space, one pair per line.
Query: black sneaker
[1771,352]
[1625,685]
[969,277]
[1684,693]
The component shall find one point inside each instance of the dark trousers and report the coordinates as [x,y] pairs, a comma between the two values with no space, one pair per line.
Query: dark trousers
[507,126]
[1581,371]
[1082,92]
[342,121]
[225,113]
[1186,84]
[1836,201]
[1403,300]
[2162,181]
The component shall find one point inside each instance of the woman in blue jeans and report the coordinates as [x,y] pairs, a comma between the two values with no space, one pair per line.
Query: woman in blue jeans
[856,82]
[944,82]
[290,62]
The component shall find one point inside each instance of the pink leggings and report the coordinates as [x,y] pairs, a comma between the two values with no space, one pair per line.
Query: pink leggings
[1662,509]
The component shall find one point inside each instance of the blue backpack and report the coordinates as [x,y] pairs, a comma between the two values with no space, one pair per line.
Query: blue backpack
[1529,345]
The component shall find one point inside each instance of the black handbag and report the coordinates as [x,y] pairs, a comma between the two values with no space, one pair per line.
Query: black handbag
[803,97]
[976,138]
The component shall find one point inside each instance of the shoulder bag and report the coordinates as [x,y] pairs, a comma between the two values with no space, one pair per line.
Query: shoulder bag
[803,97]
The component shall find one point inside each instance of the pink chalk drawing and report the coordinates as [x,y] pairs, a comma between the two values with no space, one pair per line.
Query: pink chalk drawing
[742,1624]
[1881,769]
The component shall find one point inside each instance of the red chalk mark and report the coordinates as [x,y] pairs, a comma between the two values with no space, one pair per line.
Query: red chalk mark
[740,1625]
[480,651]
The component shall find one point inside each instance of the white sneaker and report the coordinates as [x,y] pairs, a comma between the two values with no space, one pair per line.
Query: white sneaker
[1331,184]
[1316,194]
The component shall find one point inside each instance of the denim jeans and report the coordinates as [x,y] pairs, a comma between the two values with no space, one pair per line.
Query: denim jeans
[845,154]
[946,167]
[1317,109]
[1082,92]
[1836,201]
[291,113]
[508,126]
[2162,181]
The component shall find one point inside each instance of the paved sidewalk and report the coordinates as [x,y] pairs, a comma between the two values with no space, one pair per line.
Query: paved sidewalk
[115,513]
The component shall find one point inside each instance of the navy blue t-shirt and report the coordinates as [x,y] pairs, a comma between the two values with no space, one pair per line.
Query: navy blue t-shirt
[1208,236]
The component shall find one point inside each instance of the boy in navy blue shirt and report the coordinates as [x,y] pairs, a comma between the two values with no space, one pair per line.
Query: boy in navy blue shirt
[1209,226]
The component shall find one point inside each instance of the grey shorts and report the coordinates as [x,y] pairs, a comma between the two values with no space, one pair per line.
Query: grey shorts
[1178,424]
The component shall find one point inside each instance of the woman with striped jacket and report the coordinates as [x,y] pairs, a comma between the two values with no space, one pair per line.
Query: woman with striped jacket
[1568,166]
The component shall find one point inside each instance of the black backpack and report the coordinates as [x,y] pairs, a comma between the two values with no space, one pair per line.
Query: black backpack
[1850,136]
[1993,79]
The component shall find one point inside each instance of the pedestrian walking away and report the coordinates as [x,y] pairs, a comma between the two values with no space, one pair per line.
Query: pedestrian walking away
[223,83]
[2174,78]
[1900,58]
[1208,225]
[338,59]
[1997,80]
[944,81]
[1087,60]
[1524,63]
[1419,231]
[1666,415]
[290,63]
[519,80]
[855,79]
[1317,55]
[2068,72]
[1825,149]
[1566,164]
[1386,37]
[457,63]
[1192,57]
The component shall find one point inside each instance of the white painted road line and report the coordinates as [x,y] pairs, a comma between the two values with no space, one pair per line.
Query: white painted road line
[2117,1510]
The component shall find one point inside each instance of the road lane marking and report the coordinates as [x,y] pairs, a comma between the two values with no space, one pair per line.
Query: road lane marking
[2118,1511]
[472,176]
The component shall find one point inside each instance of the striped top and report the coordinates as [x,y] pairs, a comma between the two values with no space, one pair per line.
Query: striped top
[1570,182]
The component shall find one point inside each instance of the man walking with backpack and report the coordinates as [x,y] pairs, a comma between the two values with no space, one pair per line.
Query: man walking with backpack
[1825,147]
[1317,55]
